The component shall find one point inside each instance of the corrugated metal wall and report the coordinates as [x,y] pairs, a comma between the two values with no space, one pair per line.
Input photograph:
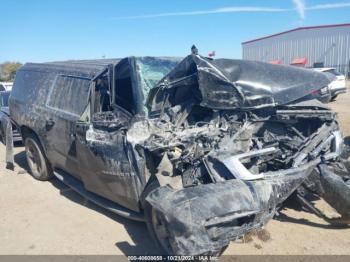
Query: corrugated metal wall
[330,45]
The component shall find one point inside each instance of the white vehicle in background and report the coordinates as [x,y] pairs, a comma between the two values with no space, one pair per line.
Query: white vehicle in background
[6,86]
[336,87]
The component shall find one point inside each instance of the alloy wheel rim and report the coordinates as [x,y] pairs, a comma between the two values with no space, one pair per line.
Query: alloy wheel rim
[33,158]
[161,231]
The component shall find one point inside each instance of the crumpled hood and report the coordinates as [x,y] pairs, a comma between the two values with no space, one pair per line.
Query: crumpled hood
[230,84]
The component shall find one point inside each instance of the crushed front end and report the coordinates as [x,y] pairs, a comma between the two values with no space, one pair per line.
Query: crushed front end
[220,180]
[227,153]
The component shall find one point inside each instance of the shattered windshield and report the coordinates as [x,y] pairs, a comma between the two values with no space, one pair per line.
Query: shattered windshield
[152,70]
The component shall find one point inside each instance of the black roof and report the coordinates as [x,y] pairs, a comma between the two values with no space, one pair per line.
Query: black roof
[87,68]
[93,63]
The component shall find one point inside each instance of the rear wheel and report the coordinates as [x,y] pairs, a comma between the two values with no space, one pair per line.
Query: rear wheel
[2,135]
[37,162]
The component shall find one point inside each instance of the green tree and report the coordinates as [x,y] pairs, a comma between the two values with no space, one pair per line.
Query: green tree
[8,70]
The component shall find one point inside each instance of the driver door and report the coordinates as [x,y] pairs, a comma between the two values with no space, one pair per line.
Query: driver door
[106,159]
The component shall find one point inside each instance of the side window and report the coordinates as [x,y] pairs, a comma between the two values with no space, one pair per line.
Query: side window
[102,95]
[124,96]
[70,94]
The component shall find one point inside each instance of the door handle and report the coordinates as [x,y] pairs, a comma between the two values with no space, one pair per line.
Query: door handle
[49,123]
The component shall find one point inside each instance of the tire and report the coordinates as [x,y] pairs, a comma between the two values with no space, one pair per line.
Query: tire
[160,235]
[154,221]
[2,135]
[2,138]
[39,166]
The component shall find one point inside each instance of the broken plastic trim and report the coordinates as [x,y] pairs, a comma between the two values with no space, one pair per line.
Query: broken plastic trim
[235,166]
[337,145]
[207,217]
[239,171]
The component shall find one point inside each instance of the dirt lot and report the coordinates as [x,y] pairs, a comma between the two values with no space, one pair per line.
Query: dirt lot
[49,218]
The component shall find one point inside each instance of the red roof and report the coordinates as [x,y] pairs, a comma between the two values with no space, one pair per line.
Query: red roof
[299,61]
[276,62]
[295,29]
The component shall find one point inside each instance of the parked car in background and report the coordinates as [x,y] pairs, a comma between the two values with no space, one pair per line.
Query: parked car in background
[338,85]
[6,86]
[5,118]
[204,151]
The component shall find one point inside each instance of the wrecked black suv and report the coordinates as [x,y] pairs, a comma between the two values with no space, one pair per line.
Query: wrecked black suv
[203,150]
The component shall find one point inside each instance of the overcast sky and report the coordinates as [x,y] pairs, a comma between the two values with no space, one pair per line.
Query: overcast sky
[37,30]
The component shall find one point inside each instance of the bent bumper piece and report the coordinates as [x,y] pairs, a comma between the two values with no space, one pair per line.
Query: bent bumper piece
[207,217]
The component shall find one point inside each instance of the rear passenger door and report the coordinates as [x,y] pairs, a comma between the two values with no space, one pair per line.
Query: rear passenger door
[66,102]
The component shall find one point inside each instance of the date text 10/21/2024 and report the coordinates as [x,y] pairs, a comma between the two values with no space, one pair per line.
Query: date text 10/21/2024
[173,258]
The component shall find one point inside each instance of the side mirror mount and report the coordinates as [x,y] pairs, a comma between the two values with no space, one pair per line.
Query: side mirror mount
[117,119]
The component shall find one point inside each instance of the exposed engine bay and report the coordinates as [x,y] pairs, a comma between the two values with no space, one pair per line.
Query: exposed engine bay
[269,151]
[200,150]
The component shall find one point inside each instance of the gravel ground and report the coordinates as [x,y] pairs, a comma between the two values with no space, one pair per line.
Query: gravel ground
[49,218]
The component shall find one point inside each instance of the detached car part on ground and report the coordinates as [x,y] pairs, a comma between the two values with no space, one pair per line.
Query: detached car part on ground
[210,156]
[5,118]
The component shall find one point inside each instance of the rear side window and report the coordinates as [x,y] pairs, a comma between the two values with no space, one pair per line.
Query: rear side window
[70,94]
[32,87]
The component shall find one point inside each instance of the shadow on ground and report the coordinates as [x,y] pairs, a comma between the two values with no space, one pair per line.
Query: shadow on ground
[293,203]
[283,217]
[138,232]
[302,221]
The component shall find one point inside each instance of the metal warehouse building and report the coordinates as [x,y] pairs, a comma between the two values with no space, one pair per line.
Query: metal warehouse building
[314,46]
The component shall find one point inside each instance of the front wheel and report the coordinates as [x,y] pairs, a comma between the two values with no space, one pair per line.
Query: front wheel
[156,223]
[37,162]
